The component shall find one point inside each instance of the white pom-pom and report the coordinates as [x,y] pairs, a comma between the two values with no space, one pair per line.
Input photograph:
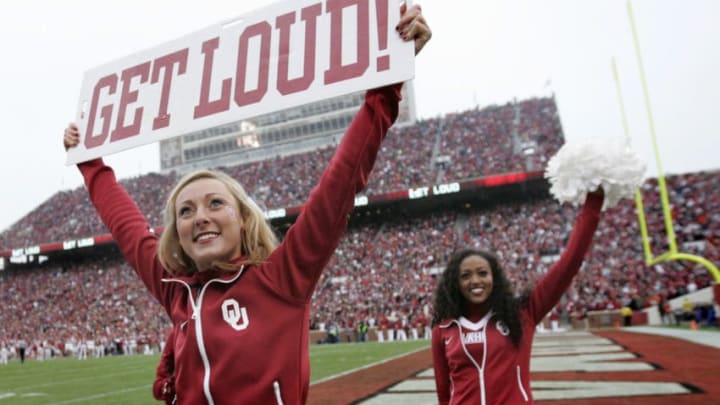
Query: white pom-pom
[580,167]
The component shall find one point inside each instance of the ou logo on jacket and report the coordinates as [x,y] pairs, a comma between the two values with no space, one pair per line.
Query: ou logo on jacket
[502,328]
[235,315]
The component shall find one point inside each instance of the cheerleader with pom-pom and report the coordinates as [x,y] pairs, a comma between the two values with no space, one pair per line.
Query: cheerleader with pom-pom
[482,334]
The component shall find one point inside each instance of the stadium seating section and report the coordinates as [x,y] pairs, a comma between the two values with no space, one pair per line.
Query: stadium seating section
[383,269]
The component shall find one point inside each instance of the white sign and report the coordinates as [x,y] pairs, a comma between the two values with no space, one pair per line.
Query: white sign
[446,188]
[277,213]
[361,200]
[85,242]
[288,54]
[420,192]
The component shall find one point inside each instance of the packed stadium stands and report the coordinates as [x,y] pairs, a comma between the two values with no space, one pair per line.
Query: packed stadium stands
[386,265]
[405,161]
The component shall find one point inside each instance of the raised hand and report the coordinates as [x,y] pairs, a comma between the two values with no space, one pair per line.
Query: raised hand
[413,26]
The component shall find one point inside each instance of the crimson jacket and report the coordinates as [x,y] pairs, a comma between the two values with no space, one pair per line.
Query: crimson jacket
[477,362]
[242,338]
[164,384]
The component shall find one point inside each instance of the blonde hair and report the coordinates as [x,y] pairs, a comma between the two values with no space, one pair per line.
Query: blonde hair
[256,236]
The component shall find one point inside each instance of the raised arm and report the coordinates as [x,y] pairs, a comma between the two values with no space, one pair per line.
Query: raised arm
[123,218]
[550,289]
[311,241]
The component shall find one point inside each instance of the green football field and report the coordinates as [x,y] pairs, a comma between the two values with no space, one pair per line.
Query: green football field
[128,379]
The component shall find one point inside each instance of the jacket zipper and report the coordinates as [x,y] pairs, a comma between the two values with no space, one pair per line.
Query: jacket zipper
[196,306]
[198,332]
[276,388]
[481,372]
[201,345]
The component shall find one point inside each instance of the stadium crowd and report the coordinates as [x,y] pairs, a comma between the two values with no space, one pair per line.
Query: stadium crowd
[94,307]
[383,273]
[407,160]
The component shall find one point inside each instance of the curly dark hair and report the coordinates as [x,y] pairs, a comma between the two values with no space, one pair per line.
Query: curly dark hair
[449,303]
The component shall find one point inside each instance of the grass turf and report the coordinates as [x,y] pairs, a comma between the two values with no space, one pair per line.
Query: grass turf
[128,379]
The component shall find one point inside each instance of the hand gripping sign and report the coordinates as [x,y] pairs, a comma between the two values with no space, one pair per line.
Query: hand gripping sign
[288,54]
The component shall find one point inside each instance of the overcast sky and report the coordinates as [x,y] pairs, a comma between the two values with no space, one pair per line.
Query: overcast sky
[483,52]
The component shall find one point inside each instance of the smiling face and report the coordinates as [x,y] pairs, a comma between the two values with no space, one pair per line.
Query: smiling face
[208,222]
[476,279]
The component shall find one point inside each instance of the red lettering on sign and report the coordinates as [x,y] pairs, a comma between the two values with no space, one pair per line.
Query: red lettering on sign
[207,107]
[167,62]
[337,72]
[126,97]
[264,31]
[381,11]
[94,140]
[295,29]
[309,15]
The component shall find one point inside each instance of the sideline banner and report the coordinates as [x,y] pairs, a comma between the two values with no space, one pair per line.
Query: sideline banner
[288,54]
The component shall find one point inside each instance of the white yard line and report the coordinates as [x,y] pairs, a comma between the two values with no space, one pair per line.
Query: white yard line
[5,395]
[701,337]
[54,373]
[63,382]
[104,395]
[344,373]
